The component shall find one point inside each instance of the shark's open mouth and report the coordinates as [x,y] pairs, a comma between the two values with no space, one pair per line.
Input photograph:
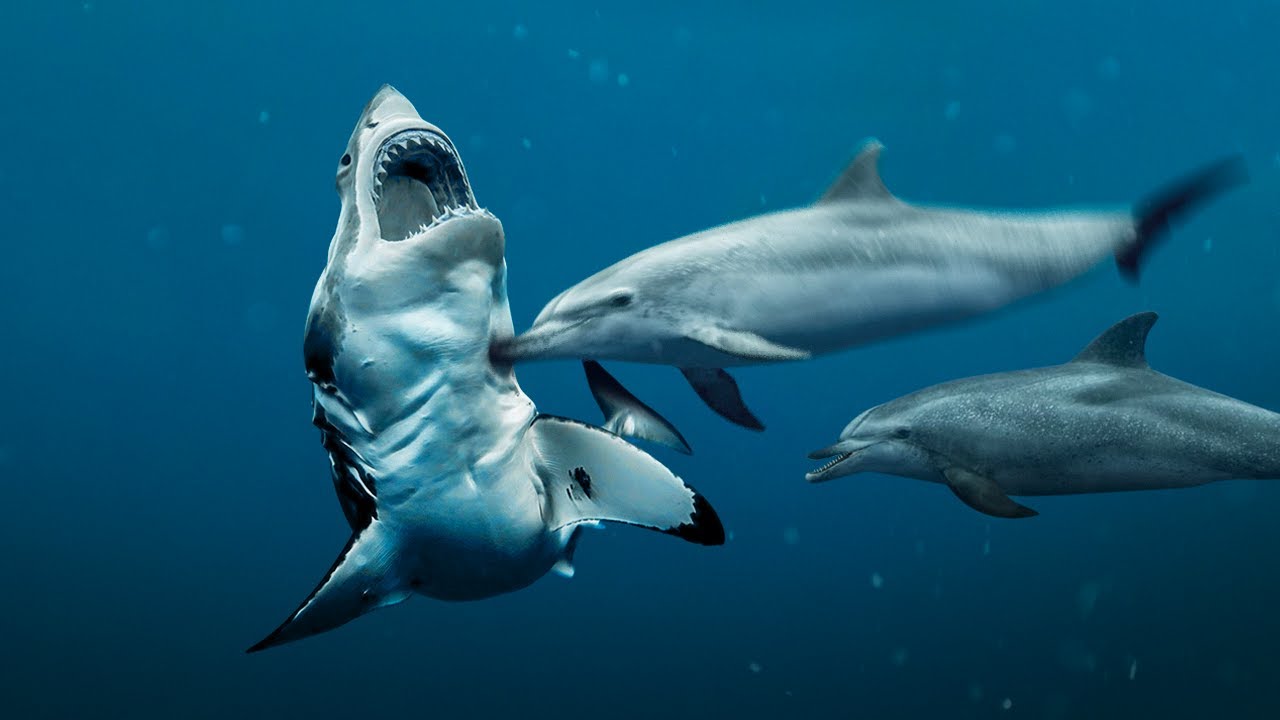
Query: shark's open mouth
[418,181]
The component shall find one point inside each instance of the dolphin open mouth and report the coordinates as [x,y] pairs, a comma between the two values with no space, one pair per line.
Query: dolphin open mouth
[826,471]
[418,182]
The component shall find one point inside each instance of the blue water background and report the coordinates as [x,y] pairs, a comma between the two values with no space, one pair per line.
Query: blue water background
[168,201]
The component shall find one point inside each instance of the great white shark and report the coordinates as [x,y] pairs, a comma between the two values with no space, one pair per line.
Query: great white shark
[858,266]
[1103,422]
[454,486]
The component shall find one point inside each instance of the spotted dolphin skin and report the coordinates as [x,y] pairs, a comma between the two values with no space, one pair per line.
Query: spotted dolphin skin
[858,266]
[452,483]
[1103,422]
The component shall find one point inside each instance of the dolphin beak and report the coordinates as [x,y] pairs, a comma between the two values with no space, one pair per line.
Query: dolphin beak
[840,466]
[543,341]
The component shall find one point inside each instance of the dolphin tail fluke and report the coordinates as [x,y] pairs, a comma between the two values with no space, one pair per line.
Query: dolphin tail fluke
[593,475]
[358,582]
[1154,214]
[720,392]
[626,415]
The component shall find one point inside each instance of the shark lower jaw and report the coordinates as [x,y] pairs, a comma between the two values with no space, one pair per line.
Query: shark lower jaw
[418,184]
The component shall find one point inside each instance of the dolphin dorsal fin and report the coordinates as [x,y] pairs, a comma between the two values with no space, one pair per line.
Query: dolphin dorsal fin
[861,179]
[1123,344]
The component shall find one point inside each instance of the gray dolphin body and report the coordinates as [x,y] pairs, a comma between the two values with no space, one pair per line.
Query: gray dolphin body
[1103,422]
[453,485]
[858,266]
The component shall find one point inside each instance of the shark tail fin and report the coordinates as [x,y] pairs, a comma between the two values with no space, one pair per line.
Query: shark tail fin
[625,414]
[357,583]
[1154,215]
[593,475]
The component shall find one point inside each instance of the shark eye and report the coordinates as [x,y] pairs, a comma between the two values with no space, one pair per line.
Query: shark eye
[346,159]
[902,433]
[620,300]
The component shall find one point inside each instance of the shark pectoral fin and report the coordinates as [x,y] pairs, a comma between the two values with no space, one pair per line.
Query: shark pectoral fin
[984,495]
[719,391]
[625,414]
[590,474]
[357,583]
[742,343]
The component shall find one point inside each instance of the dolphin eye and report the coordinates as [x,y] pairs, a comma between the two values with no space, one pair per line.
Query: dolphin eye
[346,159]
[620,300]
[902,433]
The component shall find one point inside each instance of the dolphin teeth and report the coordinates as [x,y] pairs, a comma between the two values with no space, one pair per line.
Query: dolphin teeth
[835,461]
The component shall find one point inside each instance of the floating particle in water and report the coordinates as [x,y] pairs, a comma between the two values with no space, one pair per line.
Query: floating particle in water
[755,667]
[264,117]
[1005,143]
[1087,598]
[232,234]
[1109,67]
[975,692]
[791,536]
[519,32]
[899,657]
[574,54]
[1208,245]
[877,581]
[87,6]
[598,70]
[158,237]
[1006,704]
[730,536]
[1077,104]
[763,200]
[986,547]
[623,80]
[526,143]
[674,152]
[952,111]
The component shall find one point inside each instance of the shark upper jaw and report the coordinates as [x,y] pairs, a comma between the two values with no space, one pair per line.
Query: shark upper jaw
[845,456]
[417,183]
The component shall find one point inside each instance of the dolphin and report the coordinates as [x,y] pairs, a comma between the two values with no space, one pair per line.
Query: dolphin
[454,486]
[859,265]
[1103,422]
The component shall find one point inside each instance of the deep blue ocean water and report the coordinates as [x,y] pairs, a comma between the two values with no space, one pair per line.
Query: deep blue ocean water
[168,185]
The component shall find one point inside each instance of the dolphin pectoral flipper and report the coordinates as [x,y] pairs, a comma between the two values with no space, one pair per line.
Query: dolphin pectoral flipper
[625,414]
[719,391]
[1154,214]
[357,583]
[593,475]
[984,495]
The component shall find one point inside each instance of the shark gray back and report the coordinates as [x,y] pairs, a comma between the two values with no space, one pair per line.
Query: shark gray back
[1103,422]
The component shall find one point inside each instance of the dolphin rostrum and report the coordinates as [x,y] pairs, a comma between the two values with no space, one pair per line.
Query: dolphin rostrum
[1103,422]
[857,266]
[452,483]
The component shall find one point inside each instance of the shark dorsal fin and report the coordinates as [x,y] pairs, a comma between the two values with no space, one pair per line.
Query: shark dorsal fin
[861,179]
[1123,344]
